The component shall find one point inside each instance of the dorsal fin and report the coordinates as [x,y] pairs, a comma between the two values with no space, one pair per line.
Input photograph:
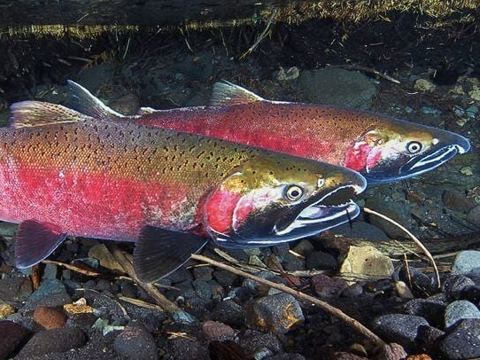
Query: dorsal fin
[84,101]
[37,113]
[225,93]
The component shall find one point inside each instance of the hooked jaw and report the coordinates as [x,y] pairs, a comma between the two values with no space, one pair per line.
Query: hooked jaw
[417,165]
[333,209]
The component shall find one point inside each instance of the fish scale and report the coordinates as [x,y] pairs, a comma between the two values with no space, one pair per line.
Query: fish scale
[64,173]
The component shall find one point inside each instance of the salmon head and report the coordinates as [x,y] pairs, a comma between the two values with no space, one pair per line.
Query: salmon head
[277,198]
[394,150]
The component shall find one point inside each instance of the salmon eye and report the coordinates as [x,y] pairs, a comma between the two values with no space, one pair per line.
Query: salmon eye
[293,193]
[414,147]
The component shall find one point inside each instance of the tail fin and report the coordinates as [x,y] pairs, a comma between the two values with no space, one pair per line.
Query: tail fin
[37,113]
[84,101]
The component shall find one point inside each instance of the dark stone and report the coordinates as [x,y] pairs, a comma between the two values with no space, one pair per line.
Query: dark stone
[129,289]
[429,337]
[321,261]
[463,342]
[334,86]
[254,342]
[135,342]
[327,287]
[15,288]
[399,328]
[352,291]
[203,273]
[53,341]
[421,283]
[278,313]
[226,350]
[12,337]
[285,356]
[181,348]
[293,263]
[203,288]
[455,200]
[224,277]
[430,310]
[51,293]
[102,285]
[455,285]
[229,312]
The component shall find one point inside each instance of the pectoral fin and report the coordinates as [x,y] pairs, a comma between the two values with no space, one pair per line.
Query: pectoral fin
[35,241]
[160,252]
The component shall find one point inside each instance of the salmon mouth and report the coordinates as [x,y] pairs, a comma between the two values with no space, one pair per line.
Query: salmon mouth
[333,209]
[427,163]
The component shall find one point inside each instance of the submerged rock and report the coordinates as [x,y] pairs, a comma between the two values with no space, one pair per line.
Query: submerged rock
[278,313]
[135,342]
[335,86]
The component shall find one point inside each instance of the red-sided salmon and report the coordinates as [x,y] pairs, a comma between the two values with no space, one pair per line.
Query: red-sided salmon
[64,173]
[381,148]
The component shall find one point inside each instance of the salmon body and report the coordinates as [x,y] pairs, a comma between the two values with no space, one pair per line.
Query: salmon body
[63,173]
[381,148]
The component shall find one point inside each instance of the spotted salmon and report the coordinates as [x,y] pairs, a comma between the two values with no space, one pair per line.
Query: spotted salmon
[64,173]
[381,148]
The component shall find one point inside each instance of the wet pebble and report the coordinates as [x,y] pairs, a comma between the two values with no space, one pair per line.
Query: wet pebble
[202,273]
[327,287]
[12,336]
[473,215]
[278,313]
[424,85]
[320,261]
[285,356]
[260,345]
[335,86]
[226,350]
[367,260]
[429,336]
[456,285]
[432,311]
[187,348]
[101,253]
[53,341]
[455,200]
[135,342]
[51,293]
[399,328]
[353,290]
[347,356]
[215,330]
[304,248]
[15,288]
[391,352]
[49,318]
[467,262]
[6,310]
[293,263]
[459,310]
[229,312]
[224,277]
[463,342]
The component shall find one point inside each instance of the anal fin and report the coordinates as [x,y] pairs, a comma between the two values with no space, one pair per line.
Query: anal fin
[160,252]
[35,241]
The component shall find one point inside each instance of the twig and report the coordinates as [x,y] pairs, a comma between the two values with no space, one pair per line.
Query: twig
[73,268]
[177,313]
[140,303]
[262,36]
[418,242]
[369,70]
[310,299]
